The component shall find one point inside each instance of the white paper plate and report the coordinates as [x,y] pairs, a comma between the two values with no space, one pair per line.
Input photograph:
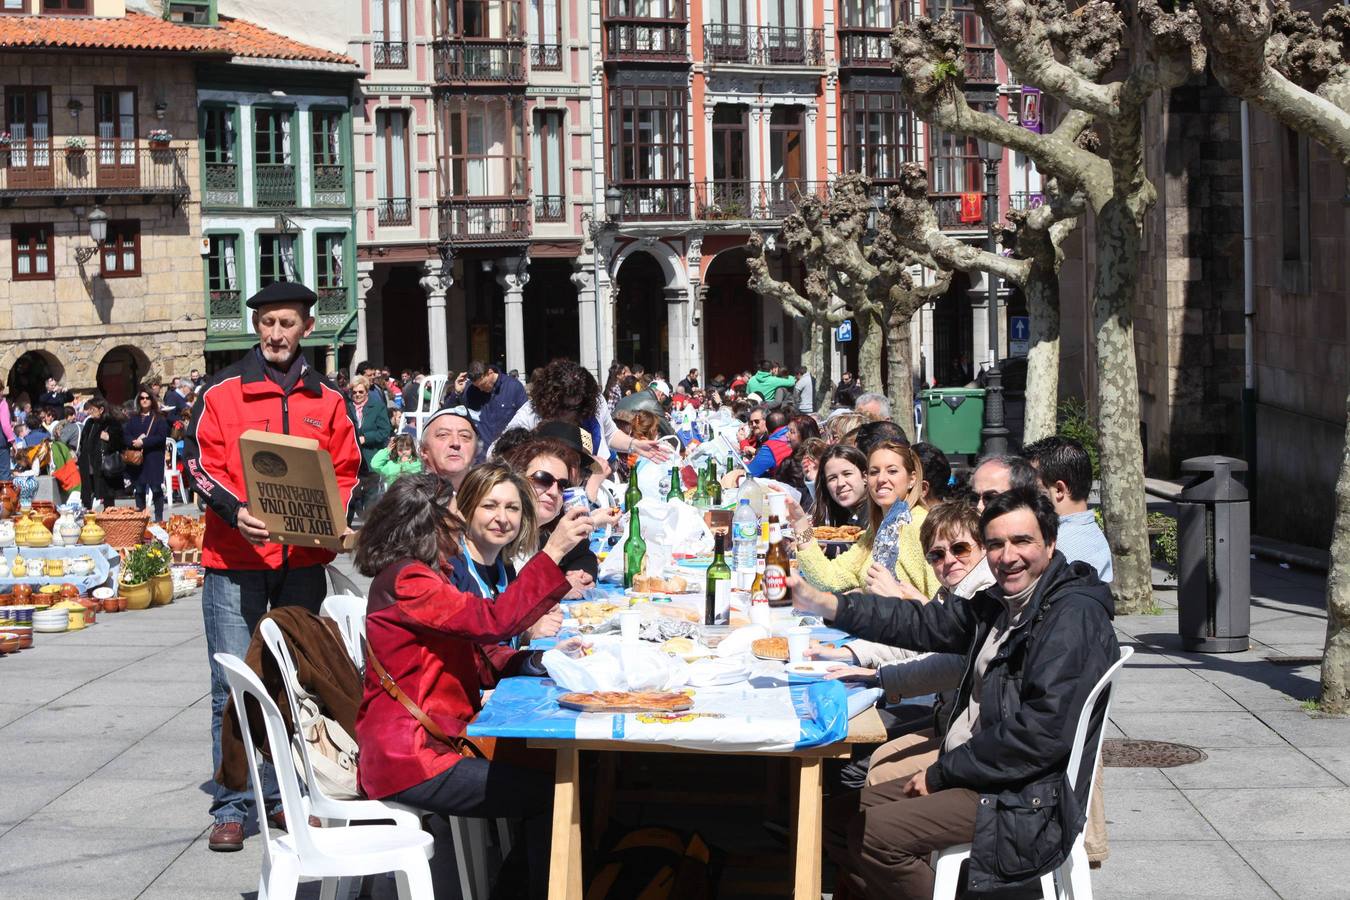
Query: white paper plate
[711,672]
[811,668]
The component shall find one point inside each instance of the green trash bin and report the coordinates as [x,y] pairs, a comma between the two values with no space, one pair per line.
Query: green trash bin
[953,418]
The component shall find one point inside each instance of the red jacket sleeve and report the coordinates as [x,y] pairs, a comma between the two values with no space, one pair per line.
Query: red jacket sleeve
[498,661]
[427,600]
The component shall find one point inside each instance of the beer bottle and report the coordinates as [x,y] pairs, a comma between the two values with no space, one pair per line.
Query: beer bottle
[776,567]
[718,598]
[635,548]
[633,495]
[676,491]
[759,603]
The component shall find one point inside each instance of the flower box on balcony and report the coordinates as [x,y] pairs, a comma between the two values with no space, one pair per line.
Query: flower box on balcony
[159,138]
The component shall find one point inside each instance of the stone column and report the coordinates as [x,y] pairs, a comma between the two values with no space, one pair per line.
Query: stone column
[365,280]
[756,168]
[511,275]
[436,281]
[583,278]
[677,314]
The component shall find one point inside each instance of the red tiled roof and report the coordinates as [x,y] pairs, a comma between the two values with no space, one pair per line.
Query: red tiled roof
[244,38]
[140,32]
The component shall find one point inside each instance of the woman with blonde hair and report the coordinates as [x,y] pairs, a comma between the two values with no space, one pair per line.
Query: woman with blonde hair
[888,558]
[842,424]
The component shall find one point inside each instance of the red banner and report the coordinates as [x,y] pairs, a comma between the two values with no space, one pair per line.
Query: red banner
[972,208]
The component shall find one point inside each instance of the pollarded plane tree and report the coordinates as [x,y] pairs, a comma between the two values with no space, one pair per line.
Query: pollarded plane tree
[1079,56]
[1297,70]
[1033,239]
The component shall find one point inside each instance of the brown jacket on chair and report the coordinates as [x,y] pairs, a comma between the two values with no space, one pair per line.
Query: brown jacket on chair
[323,668]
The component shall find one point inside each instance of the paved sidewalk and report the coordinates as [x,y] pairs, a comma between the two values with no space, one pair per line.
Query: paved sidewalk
[105,755]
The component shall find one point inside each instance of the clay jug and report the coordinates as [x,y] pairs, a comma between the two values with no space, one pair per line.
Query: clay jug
[6,532]
[92,532]
[68,528]
[9,498]
[46,513]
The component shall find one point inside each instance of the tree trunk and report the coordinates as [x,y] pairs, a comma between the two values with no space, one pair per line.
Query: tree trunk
[872,333]
[1124,508]
[1042,392]
[822,338]
[1336,657]
[900,389]
[813,354]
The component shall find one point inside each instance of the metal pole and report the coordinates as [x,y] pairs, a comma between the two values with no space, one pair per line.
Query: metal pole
[994,436]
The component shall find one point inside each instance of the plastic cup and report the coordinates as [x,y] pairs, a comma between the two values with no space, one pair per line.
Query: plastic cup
[629,623]
[798,638]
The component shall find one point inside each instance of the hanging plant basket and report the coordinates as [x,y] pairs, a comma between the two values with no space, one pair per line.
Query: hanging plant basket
[75,151]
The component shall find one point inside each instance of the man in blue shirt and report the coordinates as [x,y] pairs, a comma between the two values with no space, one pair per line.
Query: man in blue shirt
[774,448]
[1065,470]
[492,394]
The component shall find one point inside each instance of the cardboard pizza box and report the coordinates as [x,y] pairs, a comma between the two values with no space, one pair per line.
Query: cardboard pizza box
[291,486]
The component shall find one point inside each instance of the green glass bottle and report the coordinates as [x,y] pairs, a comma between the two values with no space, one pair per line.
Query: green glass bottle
[702,493]
[633,495]
[718,597]
[676,491]
[634,549]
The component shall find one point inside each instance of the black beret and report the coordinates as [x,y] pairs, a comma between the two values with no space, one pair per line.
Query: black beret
[282,292]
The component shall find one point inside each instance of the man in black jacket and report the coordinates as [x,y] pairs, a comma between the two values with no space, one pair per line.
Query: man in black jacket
[1035,644]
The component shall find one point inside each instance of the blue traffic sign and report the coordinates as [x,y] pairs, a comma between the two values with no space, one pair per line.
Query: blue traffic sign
[1019,328]
[844,333]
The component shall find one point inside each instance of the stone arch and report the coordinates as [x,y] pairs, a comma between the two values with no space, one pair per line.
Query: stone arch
[672,263]
[29,370]
[120,370]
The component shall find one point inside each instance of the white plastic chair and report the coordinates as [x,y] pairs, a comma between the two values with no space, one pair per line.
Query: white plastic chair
[469,835]
[1073,875]
[306,851]
[349,613]
[171,474]
[427,402]
[341,583]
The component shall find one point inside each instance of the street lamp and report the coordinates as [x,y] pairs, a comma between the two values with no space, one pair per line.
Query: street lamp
[98,233]
[994,435]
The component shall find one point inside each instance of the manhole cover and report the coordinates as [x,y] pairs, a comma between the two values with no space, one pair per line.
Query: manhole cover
[1123,754]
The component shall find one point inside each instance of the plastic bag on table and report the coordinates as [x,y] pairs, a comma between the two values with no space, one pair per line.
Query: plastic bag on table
[665,527]
[617,667]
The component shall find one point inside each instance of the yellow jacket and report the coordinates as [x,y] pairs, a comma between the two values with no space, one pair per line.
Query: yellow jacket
[845,572]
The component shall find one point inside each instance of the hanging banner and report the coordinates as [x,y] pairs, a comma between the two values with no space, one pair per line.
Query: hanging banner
[1029,111]
[972,208]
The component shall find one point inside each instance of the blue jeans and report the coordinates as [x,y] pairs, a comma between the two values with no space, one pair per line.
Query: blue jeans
[233,602]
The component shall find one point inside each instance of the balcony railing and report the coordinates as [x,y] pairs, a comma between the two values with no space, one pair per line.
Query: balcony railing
[546,57]
[221,184]
[390,54]
[332,308]
[480,61]
[329,185]
[655,201]
[140,168]
[394,211]
[549,207]
[1025,199]
[763,45]
[869,47]
[753,200]
[947,208]
[274,185]
[980,64]
[651,40]
[485,219]
[224,312]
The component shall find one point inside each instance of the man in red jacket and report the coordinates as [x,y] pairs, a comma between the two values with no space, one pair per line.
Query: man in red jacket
[274,389]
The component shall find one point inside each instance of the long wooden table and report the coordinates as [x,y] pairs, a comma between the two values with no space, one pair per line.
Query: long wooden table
[565,872]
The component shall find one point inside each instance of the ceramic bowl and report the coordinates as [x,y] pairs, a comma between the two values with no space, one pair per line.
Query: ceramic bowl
[102,593]
[9,643]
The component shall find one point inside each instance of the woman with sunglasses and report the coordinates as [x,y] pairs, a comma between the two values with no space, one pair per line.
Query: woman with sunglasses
[372,433]
[552,467]
[147,431]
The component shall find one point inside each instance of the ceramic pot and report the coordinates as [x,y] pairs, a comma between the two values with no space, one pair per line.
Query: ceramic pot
[161,589]
[4,566]
[91,533]
[137,595]
[6,532]
[121,603]
[46,512]
[9,499]
[110,605]
[19,569]
[68,528]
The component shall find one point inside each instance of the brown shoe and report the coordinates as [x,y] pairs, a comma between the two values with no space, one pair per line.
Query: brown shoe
[277,820]
[227,837]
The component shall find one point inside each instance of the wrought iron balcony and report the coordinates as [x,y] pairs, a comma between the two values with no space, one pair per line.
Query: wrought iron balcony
[31,168]
[1025,199]
[865,47]
[633,39]
[947,208]
[980,65]
[546,57]
[461,61]
[655,201]
[550,207]
[332,308]
[753,200]
[274,185]
[487,219]
[328,183]
[390,54]
[394,211]
[221,184]
[763,45]
[224,312]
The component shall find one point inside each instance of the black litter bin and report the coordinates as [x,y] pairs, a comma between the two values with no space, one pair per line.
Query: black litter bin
[1214,557]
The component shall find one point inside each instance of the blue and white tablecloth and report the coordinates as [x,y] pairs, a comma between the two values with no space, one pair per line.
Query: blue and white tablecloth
[737,718]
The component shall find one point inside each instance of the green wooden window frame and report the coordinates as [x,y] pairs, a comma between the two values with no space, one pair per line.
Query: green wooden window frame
[218,135]
[214,282]
[270,267]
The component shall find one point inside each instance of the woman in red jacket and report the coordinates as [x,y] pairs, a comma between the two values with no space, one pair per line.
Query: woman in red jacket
[438,646]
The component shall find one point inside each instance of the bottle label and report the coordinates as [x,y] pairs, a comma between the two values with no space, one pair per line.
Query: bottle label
[746,531]
[722,602]
[775,583]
